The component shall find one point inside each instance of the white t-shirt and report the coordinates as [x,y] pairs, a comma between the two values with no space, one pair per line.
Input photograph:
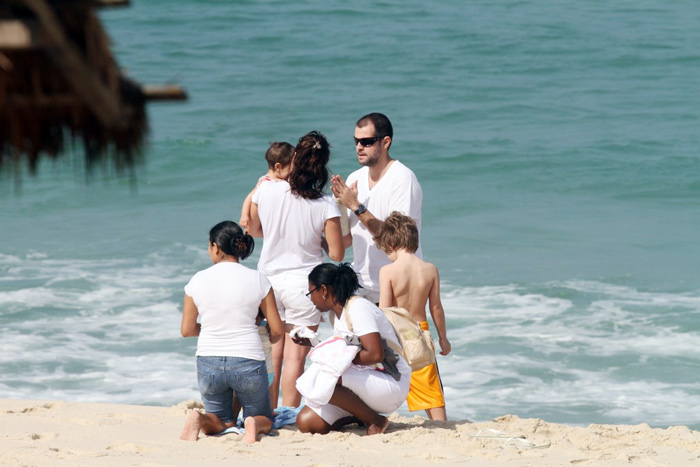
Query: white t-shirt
[367,318]
[292,227]
[397,190]
[227,296]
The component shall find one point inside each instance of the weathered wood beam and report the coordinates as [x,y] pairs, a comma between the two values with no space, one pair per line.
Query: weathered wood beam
[61,100]
[16,34]
[67,58]
[92,3]
[167,92]
[112,3]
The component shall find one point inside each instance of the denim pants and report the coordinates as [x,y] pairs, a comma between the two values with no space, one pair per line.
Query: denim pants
[220,378]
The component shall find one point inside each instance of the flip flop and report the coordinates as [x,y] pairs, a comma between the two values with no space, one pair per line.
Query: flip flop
[523,443]
[232,429]
[490,433]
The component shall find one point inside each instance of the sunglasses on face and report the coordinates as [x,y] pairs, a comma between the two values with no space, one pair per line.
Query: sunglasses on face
[308,294]
[367,142]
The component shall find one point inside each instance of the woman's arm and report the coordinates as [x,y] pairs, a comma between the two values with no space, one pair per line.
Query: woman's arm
[334,238]
[269,309]
[255,228]
[372,351]
[189,327]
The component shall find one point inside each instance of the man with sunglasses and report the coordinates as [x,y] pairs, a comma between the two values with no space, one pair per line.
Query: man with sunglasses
[381,186]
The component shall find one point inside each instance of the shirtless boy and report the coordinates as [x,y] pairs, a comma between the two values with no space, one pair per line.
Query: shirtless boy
[411,283]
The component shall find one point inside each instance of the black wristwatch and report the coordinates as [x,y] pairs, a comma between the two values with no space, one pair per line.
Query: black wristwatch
[360,209]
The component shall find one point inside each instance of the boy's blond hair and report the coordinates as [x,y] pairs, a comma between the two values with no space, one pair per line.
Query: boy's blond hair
[398,232]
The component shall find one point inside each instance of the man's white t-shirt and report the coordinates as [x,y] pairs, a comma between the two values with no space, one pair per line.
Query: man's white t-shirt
[227,296]
[397,190]
[293,228]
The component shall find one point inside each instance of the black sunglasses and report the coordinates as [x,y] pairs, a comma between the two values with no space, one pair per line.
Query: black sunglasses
[308,294]
[367,142]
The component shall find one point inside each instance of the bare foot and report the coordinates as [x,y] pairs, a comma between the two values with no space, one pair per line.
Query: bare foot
[251,430]
[378,429]
[190,432]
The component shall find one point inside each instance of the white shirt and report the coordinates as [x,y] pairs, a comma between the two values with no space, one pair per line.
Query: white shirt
[227,296]
[292,227]
[367,318]
[397,190]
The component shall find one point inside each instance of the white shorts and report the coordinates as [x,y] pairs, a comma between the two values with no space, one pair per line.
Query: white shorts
[379,391]
[292,303]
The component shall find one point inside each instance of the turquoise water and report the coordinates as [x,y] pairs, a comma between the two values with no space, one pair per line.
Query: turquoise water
[556,143]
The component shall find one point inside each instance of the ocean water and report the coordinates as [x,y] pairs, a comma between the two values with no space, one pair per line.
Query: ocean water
[556,143]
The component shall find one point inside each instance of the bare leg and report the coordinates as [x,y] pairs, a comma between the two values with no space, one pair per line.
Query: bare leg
[348,400]
[437,413]
[294,360]
[208,423]
[308,421]
[255,426]
[277,353]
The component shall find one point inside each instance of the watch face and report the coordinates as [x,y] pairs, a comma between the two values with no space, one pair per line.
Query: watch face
[360,209]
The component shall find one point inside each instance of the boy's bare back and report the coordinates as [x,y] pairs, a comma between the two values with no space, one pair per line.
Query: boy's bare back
[409,282]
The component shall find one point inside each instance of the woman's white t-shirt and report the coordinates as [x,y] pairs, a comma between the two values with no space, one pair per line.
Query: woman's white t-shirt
[227,296]
[293,228]
[367,318]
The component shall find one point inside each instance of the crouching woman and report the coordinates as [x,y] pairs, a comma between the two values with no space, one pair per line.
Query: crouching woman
[364,390]
[230,358]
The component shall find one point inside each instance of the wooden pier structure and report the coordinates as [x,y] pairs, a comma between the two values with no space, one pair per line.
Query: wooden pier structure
[60,83]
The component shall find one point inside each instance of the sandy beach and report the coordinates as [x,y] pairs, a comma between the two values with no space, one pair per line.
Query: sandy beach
[58,433]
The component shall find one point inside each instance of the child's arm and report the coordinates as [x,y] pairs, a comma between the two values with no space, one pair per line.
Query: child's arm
[386,291]
[245,211]
[254,225]
[438,314]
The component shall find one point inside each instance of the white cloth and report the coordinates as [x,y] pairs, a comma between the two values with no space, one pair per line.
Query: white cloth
[334,354]
[304,333]
[227,296]
[397,190]
[330,359]
[292,228]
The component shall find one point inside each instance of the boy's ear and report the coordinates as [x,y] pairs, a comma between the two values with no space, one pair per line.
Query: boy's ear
[278,166]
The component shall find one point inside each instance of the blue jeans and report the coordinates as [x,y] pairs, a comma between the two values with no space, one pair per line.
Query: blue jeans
[220,378]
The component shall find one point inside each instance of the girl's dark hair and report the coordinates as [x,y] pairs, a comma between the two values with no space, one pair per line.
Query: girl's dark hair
[279,152]
[341,280]
[309,173]
[231,239]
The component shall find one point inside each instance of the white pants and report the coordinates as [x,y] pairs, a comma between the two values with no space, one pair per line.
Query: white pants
[379,391]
